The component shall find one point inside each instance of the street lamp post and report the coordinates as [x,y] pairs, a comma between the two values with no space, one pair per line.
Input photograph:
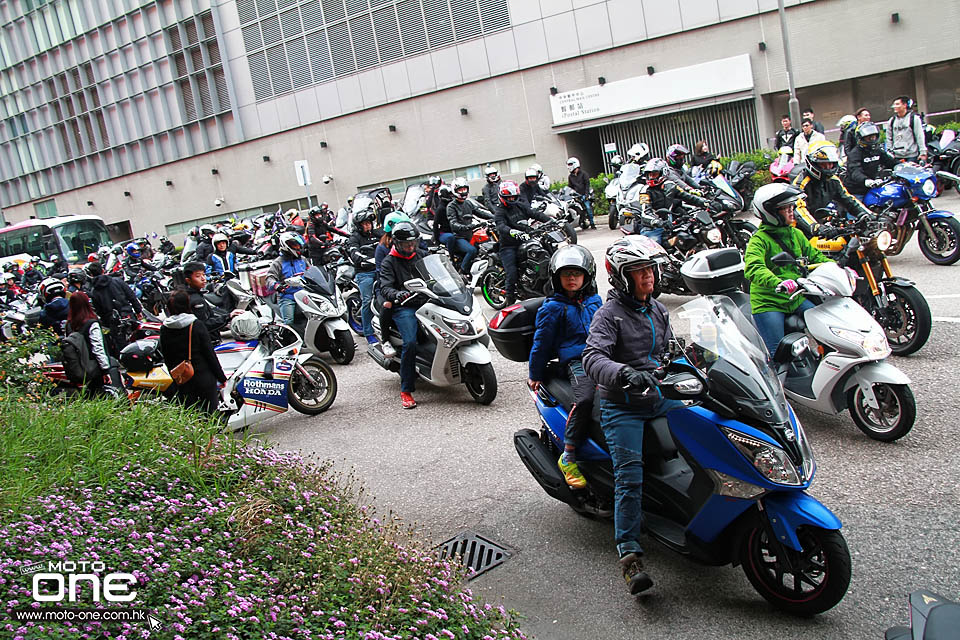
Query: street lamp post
[793,104]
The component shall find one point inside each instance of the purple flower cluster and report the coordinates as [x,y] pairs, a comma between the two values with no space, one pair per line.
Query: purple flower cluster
[260,545]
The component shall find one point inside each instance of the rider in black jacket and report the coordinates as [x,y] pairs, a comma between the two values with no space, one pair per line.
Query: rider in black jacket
[665,197]
[510,216]
[320,232]
[865,160]
[461,214]
[491,190]
[362,247]
[531,188]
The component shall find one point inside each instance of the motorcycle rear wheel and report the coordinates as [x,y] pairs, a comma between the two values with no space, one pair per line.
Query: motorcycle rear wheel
[945,248]
[492,284]
[894,419]
[906,321]
[481,382]
[613,217]
[309,399]
[570,232]
[342,347]
[820,573]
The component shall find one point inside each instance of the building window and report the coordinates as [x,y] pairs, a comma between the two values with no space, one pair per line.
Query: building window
[45,209]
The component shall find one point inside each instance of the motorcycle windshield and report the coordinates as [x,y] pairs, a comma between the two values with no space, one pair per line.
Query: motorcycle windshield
[720,182]
[412,198]
[911,172]
[362,202]
[319,281]
[947,137]
[443,280]
[628,176]
[720,341]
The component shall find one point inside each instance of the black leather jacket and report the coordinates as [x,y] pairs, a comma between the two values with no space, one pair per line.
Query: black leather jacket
[362,247]
[514,216]
[461,216]
[820,193]
[669,195]
[864,164]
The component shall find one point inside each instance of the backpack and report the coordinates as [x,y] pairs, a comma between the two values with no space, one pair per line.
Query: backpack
[79,365]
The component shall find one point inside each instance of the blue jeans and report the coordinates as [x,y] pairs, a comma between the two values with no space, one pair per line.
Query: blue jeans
[364,280]
[654,234]
[288,308]
[508,256]
[623,430]
[448,240]
[589,208]
[406,321]
[770,325]
[468,251]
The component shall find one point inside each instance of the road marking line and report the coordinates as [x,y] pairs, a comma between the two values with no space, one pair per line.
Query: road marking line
[946,319]
[944,295]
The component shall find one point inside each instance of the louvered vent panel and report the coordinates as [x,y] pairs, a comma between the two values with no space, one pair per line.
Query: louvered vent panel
[364,45]
[192,36]
[271,30]
[414,37]
[220,84]
[206,100]
[376,4]
[356,6]
[206,21]
[299,63]
[260,76]
[319,56]
[266,8]
[439,26]
[102,125]
[388,34]
[180,62]
[213,51]
[189,107]
[247,10]
[333,10]
[466,19]
[290,21]
[340,50]
[196,58]
[495,15]
[251,37]
[175,43]
[279,73]
[312,15]
[283,4]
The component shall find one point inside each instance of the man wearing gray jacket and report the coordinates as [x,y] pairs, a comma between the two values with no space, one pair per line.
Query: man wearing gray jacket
[905,139]
[628,337]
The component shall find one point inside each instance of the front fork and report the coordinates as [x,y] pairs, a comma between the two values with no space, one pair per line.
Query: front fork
[876,288]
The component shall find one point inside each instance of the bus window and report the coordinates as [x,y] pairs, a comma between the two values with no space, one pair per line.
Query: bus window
[81,238]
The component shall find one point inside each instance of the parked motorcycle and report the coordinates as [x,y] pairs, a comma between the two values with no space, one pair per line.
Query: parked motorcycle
[944,155]
[322,308]
[932,617]
[610,192]
[533,261]
[631,187]
[904,200]
[564,207]
[725,477]
[783,168]
[832,359]
[734,231]
[893,301]
[452,341]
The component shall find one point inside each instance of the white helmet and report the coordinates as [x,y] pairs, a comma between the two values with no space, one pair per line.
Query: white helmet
[639,153]
[207,229]
[573,163]
[770,197]
[536,167]
[245,326]
[287,240]
[219,237]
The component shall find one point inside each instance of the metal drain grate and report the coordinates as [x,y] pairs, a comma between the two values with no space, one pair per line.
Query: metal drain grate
[474,552]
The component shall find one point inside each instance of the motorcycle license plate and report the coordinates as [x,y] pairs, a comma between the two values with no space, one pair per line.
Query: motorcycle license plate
[264,395]
[644,198]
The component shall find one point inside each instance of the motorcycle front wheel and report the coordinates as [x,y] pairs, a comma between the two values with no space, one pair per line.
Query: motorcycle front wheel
[906,321]
[492,284]
[805,582]
[342,347]
[570,232]
[354,318]
[613,217]
[481,382]
[894,418]
[943,248]
[312,398]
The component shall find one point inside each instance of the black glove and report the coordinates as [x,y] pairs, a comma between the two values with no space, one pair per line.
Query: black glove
[828,232]
[403,296]
[716,206]
[641,381]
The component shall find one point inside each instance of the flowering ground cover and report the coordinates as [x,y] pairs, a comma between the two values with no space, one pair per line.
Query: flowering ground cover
[224,539]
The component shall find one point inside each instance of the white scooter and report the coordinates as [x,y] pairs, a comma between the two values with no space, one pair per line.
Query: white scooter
[452,341]
[269,375]
[320,302]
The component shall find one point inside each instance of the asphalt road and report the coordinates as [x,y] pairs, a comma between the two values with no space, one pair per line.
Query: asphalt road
[450,465]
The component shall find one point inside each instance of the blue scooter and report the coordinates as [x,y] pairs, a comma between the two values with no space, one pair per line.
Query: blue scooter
[725,477]
[904,199]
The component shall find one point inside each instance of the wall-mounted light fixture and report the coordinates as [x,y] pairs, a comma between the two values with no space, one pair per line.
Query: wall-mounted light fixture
[169,183]
[650,71]
[323,145]
[89,203]
[602,81]
[266,158]
[393,127]
[894,18]
[214,171]
[463,111]
[126,193]
[553,91]
[762,46]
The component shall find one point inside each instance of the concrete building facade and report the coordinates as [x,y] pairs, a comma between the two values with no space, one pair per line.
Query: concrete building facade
[146,113]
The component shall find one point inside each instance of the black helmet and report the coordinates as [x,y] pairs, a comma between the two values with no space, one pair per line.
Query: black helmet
[140,356]
[367,215]
[446,193]
[405,238]
[867,130]
[573,256]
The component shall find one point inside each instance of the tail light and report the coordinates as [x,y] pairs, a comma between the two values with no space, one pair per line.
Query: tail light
[502,315]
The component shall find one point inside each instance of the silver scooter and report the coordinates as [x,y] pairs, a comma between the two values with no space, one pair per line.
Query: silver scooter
[320,302]
[840,362]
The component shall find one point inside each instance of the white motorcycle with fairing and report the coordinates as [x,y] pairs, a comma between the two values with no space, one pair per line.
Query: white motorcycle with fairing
[452,339]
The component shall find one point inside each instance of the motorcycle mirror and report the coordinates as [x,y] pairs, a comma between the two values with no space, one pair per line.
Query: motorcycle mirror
[415,284]
[783,259]
[946,175]
[681,386]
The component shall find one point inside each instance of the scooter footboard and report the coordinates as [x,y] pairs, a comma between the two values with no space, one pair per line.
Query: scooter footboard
[789,510]
[541,462]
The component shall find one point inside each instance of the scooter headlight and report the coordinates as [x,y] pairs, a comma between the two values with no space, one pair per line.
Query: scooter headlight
[322,306]
[462,327]
[874,343]
[772,462]
[929,187]
[714,236]
[884,240]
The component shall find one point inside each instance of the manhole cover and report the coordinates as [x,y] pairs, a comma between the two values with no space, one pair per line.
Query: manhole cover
[474,552]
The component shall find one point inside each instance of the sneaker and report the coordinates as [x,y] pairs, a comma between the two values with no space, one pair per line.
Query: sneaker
[407,401]
[636,578]
[593,226]
[571,473]
[371,340]
[388,350]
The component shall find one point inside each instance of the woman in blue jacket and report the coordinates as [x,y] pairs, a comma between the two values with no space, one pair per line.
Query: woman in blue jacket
[563,322]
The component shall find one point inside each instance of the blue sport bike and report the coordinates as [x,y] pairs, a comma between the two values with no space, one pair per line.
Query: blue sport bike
[903,200]
[725,477]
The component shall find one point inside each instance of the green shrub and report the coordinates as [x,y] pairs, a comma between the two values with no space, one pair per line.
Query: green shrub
[948,125]
[21,370]
[558,185]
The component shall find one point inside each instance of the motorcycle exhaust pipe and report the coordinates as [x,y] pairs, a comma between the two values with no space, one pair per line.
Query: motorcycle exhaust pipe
[541,462]
[376,352]
[946,175]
